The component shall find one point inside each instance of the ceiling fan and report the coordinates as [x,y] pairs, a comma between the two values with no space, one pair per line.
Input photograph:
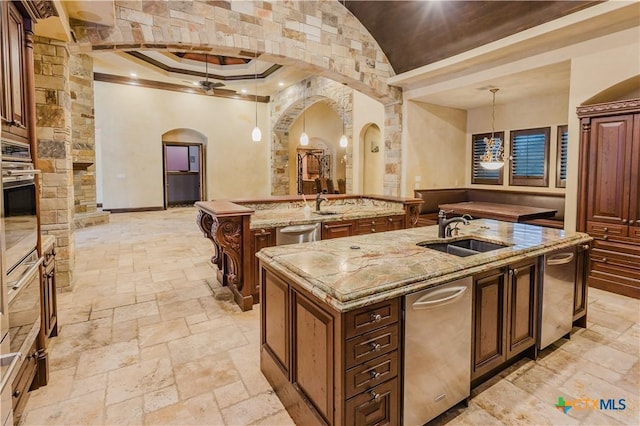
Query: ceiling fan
[205,84]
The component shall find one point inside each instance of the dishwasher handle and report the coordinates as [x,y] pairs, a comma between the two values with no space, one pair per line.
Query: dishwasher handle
[298,229]
[560,259]
[449,295]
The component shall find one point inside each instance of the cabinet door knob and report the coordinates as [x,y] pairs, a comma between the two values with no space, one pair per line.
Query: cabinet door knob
[375,317]
[606,229]
[375,397]
[624,220]
[374,375]
[375,347]
[373,229]
[605,260]
[584,247]
[16,394]
[606,237]
[631,222]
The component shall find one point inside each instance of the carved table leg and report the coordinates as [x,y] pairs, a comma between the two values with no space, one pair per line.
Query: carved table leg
[229,235]
[208,225]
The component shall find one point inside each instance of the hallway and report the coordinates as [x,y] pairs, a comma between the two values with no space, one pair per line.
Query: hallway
[143,341]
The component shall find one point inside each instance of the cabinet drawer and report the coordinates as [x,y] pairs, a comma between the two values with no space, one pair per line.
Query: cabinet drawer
[371,373]
[22,382]
[379,406]
[616,254]
[371,317]
[372,225]
[634,231]
[606,230]
[371,345]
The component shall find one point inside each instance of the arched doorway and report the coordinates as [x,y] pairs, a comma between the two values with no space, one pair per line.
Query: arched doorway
[183,167]
[372,156]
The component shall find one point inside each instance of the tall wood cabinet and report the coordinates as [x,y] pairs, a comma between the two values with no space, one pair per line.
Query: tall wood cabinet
[609,206]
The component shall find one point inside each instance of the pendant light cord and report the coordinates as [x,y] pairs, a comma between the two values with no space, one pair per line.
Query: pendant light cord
[255,79]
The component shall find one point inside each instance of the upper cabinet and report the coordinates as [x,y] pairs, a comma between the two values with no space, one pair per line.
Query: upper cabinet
[609,208]
[14,91]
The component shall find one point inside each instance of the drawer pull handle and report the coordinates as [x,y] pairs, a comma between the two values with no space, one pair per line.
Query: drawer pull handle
[375,397]
[375,347]
[374,375]
[16,394]
[376,317]
[373,229]
[606,237]
[606,229]
[584,247]
[605,260]
[373,222]
[631,222]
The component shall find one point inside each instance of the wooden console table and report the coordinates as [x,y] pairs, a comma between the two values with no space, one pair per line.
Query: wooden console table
[507,212]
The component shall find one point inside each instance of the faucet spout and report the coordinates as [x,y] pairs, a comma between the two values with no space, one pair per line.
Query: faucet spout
[444,228]
[319,199]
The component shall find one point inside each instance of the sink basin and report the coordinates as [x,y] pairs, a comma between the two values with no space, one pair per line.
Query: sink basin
[325,212]
[463,248]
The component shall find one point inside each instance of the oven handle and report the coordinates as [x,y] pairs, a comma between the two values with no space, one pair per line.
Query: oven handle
[33,266]
[11,172]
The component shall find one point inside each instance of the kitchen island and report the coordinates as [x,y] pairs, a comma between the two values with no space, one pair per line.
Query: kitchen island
[240,228]
[332,328]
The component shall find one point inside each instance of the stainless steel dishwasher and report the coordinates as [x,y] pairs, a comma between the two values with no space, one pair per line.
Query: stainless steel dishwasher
[437,355]
[558,284]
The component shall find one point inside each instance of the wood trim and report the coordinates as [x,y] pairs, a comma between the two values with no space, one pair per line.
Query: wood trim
[609,108]
[583,176]
[135,209]
[150,84]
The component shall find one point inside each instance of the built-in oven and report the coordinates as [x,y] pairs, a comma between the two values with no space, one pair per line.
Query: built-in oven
[18,202]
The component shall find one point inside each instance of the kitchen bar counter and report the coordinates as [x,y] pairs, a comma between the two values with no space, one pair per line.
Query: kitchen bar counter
[352,272]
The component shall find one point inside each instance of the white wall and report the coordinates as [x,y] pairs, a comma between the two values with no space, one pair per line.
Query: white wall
[132,121]
[366,111]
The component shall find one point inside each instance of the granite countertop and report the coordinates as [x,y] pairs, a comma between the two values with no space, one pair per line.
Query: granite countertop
[348,273]
[295,216]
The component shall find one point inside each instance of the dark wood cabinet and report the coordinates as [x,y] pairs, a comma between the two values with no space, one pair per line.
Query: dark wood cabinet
[49,314]
[343,228]
[328,367]
[25,380]
[504,316]
[581,294]
[260,238]
[14,68]
[396,222]
[609,191]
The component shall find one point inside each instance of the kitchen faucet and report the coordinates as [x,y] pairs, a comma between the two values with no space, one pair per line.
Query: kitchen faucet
[444,230]
[319,199]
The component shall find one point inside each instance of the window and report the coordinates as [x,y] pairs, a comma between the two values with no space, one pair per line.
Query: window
[561,168]
[529,157]
[478,173]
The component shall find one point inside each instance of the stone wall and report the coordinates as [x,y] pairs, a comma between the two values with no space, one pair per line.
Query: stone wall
[53,131]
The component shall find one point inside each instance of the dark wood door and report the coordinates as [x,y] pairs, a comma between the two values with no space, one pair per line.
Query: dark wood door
[15,93]
[609,155]
[260,238]
[378,406]
[337,229]
[313,362]
[489,306]
[275,321]
[521,311]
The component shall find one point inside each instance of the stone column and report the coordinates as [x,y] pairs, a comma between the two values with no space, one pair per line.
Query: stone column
[53,121]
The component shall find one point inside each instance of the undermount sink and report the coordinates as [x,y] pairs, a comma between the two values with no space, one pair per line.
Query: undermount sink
[324,212]
[463,248]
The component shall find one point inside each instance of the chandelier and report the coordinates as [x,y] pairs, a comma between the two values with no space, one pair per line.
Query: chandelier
[493,157]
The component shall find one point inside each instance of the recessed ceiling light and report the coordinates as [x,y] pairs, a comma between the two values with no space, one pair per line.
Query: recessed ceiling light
[133,75]
[243,90]
[281,84]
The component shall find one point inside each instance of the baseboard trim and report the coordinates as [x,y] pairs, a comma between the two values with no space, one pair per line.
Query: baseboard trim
[134,209]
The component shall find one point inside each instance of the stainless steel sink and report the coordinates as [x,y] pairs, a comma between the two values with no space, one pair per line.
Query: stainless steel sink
[463,248]
[324,212]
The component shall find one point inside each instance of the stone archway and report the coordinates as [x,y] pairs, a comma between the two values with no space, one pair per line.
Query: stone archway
[287,106]
[319,36]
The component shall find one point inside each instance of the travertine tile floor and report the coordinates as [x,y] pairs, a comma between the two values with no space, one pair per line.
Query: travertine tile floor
[142,340]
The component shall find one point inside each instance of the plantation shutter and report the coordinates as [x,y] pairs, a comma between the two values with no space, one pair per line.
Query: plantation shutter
[563,144]
[529,153]
[479,174]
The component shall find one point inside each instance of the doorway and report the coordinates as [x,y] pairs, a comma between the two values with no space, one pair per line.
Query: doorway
[183,177]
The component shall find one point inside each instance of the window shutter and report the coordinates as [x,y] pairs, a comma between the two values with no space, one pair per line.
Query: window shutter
[563,144]
[479,174]
[529,153]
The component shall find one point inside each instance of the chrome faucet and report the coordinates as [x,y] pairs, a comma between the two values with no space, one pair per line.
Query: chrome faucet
[319,199]
[444,230]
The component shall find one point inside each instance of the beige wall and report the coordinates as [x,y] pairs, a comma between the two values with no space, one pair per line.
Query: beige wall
[372,147]
[131,120]
[435,140]
[324,128]
[367,111]
[533,112]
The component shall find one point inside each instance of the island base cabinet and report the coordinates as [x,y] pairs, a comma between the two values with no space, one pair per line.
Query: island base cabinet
[504,316]
[329,367]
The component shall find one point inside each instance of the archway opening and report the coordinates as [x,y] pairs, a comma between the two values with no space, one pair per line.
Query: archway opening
[372,159]
[183,167]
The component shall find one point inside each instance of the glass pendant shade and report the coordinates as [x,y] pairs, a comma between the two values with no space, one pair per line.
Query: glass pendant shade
[493,158]
[256,134]
[304,139]
[344,141]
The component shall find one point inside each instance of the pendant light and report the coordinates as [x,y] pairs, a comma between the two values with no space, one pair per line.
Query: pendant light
[493,158]
[256,134]
[304,138]
[343,139]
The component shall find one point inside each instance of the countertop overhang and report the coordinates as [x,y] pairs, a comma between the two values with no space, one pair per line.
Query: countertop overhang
[351,272]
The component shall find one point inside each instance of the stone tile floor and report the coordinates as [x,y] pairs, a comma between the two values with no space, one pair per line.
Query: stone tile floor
[142,340]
